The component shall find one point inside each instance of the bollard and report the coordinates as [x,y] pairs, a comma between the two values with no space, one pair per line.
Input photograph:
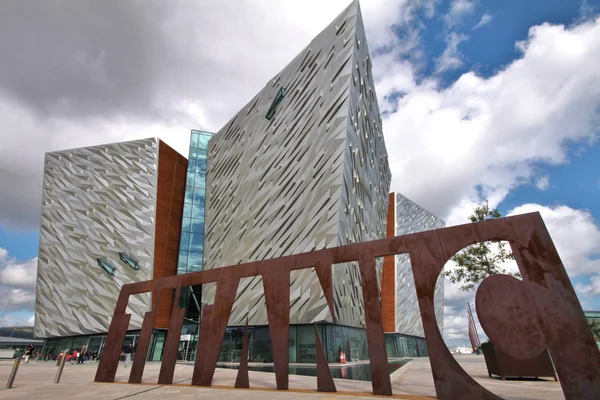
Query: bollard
[60,369]
[13,373]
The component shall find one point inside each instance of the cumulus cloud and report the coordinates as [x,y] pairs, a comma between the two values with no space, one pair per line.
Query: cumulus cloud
[480,136]
[17,283]
[485,19]
[459,9]
[100,73]
[451,58]
[543,182]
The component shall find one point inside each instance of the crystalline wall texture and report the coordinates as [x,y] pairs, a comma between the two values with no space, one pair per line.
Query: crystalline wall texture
[96,202]
[315,176]
[411,218]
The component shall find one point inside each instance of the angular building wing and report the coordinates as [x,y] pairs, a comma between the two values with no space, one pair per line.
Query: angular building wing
[111,215]
[302,166]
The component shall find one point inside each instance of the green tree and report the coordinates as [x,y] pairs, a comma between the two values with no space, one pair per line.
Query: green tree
[480,260]
[595,327]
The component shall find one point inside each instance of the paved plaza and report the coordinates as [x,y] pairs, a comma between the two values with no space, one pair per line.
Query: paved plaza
[411,382]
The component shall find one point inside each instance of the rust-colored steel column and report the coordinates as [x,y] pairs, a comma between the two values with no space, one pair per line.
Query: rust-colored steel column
[242,381]
[324,379]
[380,371]
[277,297]
[167,366]
[202,343]
[141,348]
[109,359]
[224,297]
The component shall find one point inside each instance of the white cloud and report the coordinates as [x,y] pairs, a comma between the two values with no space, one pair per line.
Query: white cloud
[173,67]
[19,274]
[488,132]
[459,9]
[485,19]
[451,58]
[543,182]
[17,283]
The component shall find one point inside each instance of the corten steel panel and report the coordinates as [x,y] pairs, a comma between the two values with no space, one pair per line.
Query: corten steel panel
[242,381]
[96,202]
[111,353]
[324,379]
[172,170]
[277,298]
[380,376]
[141,348]
[314,176]
[552,301]
[167,367]
[202,344]
[226,289]
[388,276]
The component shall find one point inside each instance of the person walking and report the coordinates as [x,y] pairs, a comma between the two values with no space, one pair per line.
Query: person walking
[81,355]
[128,350]
[29,352]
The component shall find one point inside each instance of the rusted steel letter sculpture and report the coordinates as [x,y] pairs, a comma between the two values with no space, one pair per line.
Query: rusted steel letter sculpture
[522,318]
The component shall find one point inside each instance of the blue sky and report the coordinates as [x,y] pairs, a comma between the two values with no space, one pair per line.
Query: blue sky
[480,99]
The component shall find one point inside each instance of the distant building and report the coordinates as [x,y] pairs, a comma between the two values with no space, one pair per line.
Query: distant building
[111,215]
[303,166]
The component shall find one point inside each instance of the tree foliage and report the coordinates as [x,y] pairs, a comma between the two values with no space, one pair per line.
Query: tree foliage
[595,327]
[480,260]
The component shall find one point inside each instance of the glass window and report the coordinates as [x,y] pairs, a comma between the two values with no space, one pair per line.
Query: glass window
[189,180]
[182,264]
[202,141]
[307,347]
[197,239]
[197,226]
[191,165]
[200,182]
[186,224]
[201,166]
[106,266]
[198,210]
[185,240]
[187,210]
[194,139]
[195,261]
[276,101]
[199,194]
[189,194]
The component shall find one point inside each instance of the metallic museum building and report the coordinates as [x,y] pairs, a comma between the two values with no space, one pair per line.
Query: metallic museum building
[303,166]
[111,215]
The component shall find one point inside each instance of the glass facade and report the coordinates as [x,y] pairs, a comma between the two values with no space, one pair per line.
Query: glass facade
[94,345]
[191,246]
[302,344]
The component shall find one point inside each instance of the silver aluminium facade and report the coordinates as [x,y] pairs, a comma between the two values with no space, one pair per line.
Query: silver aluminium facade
[302,166]
[412,218]
[97,234]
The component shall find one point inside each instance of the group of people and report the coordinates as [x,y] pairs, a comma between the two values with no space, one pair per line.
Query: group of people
[79,356]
